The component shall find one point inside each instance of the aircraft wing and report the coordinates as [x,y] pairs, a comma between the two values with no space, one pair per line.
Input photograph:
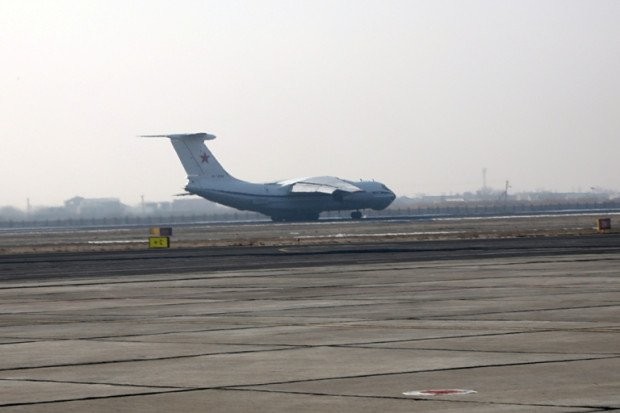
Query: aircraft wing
[320,184]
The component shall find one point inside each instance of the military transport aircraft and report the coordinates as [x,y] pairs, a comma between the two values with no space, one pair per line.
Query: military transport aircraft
[291,200]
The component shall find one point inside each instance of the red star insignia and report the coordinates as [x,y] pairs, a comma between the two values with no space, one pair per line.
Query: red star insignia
[205,158]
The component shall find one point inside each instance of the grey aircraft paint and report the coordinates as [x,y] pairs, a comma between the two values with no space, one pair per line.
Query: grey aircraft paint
[291,200]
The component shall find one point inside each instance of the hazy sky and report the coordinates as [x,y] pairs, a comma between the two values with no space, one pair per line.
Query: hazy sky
[420,95]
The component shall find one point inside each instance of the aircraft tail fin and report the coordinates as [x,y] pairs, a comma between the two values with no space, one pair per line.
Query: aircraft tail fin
[196,158]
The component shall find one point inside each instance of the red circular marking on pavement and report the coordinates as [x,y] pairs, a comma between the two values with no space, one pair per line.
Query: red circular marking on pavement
[438,392]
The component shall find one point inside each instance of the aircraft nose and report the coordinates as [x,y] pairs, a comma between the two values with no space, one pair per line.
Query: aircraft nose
[386,198]
[391,198]
[390,194]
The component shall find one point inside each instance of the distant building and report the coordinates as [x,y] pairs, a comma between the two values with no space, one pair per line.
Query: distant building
[95,207]
[191,205]
[9,213]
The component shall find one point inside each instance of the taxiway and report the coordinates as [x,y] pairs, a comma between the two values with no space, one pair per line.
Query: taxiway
[526,324]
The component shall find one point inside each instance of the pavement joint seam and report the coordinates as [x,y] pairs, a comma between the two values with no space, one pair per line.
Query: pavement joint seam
[402,398]
[114,396]
[91,383]
[603,355]
[481,366]
[525,311]
[138,360]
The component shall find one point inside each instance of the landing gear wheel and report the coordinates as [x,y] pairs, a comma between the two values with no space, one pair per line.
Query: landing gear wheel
[356,215]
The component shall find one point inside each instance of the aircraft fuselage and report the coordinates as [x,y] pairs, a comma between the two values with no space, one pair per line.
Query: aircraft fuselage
[275,201]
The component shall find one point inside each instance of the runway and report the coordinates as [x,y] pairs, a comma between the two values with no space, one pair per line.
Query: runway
[518,324]
[175,261]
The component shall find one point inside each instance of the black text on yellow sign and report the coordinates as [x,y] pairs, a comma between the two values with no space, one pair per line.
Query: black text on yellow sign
[159,242]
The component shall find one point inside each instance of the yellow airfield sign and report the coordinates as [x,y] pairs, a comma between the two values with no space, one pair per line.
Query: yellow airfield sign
[159,242]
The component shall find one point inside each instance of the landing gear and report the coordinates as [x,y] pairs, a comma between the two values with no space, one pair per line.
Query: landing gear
[356,215]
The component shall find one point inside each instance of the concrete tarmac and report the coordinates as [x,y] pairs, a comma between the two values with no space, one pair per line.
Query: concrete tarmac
[531,332]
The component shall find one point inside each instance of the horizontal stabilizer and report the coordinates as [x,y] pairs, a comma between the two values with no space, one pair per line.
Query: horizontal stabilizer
[200,135]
